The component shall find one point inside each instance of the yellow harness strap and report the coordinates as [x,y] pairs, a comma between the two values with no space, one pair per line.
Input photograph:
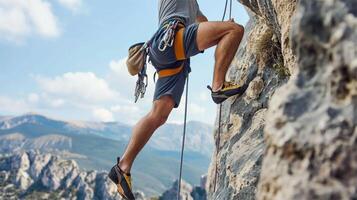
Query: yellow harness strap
[179,44]
[170,72]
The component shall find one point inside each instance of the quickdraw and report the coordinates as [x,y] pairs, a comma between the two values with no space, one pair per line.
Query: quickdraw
[142,82]
[141,85]
[169,37]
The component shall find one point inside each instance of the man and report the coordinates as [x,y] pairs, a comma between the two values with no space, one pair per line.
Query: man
[193,34]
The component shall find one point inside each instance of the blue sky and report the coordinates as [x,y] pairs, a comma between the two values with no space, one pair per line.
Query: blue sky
[65,59]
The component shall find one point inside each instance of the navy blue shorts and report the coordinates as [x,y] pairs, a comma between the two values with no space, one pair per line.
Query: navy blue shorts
[171,57]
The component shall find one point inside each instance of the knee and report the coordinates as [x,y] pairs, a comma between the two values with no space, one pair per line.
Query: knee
[161,110]
[159,118]
[238,29]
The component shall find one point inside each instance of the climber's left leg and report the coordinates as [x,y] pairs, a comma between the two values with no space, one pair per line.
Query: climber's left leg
[227,37]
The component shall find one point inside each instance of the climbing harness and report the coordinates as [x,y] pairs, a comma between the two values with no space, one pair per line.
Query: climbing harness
[183,142]
[220,106]
[167,41]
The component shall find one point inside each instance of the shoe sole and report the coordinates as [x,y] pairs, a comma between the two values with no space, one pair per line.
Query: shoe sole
[113,176]
[219,98]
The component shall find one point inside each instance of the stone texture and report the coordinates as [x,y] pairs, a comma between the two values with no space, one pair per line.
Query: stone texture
[241,147]
[303,125]
[277,15]
[185,193]
[311,131]
[34,175]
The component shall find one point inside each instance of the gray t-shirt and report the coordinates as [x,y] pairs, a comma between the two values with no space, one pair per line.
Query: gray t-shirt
[188,9]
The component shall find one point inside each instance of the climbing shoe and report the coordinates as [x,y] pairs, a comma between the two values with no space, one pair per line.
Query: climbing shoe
[227,90]
[230,89]
[122,180]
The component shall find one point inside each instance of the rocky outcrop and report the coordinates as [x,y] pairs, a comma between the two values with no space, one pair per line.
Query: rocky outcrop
[293,131]
[35,175]
[240,152]
[310,133]
[31,175]
[187,192]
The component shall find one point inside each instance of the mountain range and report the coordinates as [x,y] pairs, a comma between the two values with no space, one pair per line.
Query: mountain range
[95,145]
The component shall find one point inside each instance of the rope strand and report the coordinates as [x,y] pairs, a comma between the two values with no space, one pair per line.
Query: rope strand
[230,9]
[183,142]
[217,145]
[220,106]
[225,10]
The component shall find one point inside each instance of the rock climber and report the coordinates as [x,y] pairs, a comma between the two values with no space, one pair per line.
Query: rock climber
[192,34]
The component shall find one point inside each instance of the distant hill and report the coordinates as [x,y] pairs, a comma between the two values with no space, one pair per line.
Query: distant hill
[96,145]
[168,137]
[35,175]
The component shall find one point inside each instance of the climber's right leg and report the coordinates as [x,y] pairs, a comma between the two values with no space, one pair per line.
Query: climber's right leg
[145,128]
[227,36]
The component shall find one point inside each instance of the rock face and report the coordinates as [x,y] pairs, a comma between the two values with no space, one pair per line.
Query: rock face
[292,134]
[32,175]
[311,133]
[240,152]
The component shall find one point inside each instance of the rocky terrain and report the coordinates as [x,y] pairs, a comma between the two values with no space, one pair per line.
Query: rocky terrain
[292,135]
[94,146]
[33,175]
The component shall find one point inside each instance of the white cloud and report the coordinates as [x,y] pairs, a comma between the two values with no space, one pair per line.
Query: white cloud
[128,113]
[103,115]
[203,96]
[33,98]
[79,86]
[73,5]
[196,109]
[19,18]
[121,72]
[125,82]
[13,106]
[57,103]
[124,109]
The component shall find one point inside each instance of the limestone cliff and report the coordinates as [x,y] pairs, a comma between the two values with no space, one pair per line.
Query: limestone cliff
[33,175]
[292,134]
[36,175]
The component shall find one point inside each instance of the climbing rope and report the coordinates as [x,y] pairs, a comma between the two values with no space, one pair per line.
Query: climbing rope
[225,10]
[163,45]
[220,105]
[183,142]
[217,144]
